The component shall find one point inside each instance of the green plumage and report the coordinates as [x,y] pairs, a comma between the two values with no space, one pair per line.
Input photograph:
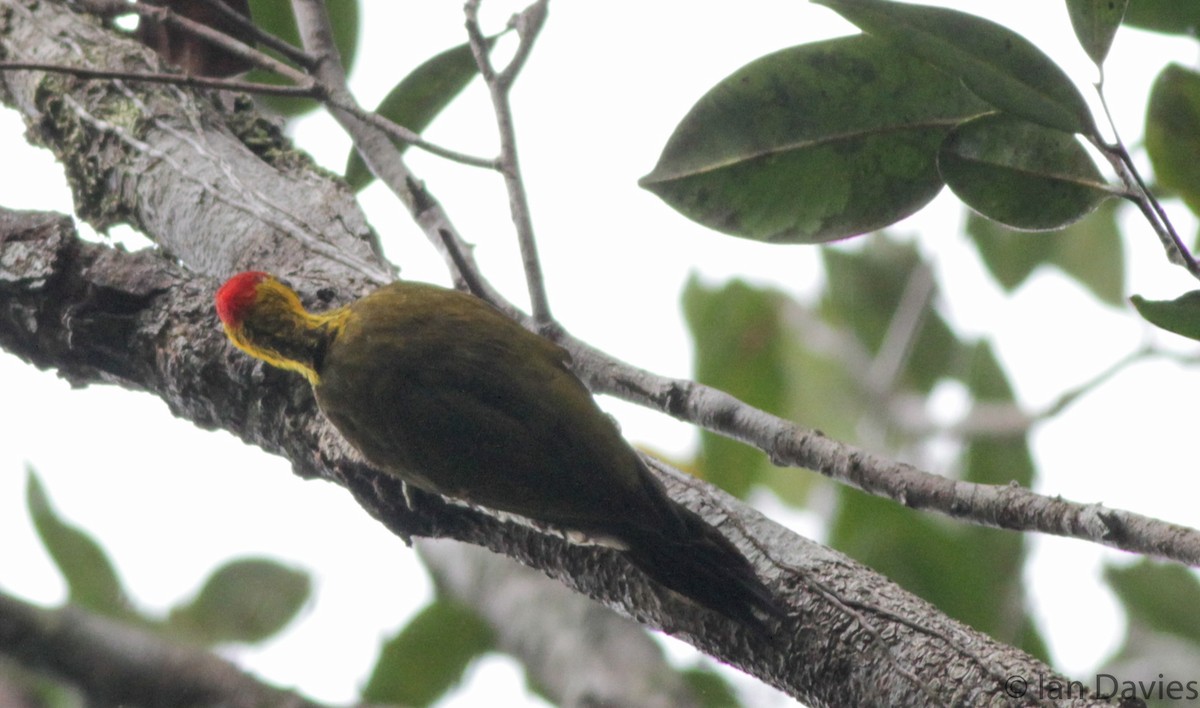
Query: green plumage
[439,389]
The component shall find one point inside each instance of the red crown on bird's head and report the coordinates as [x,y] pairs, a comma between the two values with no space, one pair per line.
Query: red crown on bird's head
[236,296]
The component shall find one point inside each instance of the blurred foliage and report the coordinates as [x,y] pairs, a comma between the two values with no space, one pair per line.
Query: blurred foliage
[429,655]
[1169,16]
[1162,596]
[1091,251]
[92,582]
[1173,132]
[710,689]
[743,354]
[247,600]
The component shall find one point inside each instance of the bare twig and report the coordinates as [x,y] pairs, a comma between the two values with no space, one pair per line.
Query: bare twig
[790,445]
[224,41]
[295,54]
[187,80]
[902,331]
[527,25]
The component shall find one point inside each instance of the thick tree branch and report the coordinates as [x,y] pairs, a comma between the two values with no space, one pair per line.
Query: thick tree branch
[100,315]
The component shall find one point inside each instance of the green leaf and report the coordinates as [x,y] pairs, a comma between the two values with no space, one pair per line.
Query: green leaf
[1181,315]
[710,689]
[739,346]
[1021,174]
[1090,250]
[1163,596]
[1095,23]
[428,657]
[863,292]
[999,65]
[812,143]
[92,581]
[1173,132]
[276,18]
[245,600]
[1010,255]
[418,99]
[1169,16]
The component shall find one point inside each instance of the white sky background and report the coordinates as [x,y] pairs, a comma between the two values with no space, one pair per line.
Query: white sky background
[602,92]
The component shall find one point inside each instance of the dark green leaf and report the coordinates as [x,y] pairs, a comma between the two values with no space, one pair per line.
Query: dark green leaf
[418,99]
[245,600]
[1021,174]
[1095,23]
[276,18]
[428,657]
[1181,315]
[1173,132]
[1163,596]
[1090,250]
[92,582]
[999,65]
[1170,16]
[863,293]
[739,349]
[812,143]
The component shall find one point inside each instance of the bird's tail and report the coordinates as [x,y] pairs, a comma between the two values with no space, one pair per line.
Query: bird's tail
[697,561]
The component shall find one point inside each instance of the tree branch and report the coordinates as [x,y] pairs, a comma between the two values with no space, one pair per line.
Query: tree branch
[528,24]
[116,663]
[102,316]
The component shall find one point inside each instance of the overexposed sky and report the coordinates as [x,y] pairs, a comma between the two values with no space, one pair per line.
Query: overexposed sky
[598,99]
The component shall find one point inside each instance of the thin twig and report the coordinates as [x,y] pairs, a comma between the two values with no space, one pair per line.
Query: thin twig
[902,331]
[231,44]
[1137,192]
[527,24]
[405,135]
[295,54]
[790,445]
[188,80]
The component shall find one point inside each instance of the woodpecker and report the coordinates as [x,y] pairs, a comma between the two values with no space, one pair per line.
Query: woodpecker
[441,390]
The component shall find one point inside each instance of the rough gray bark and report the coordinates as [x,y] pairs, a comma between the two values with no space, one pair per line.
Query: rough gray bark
[219,192]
